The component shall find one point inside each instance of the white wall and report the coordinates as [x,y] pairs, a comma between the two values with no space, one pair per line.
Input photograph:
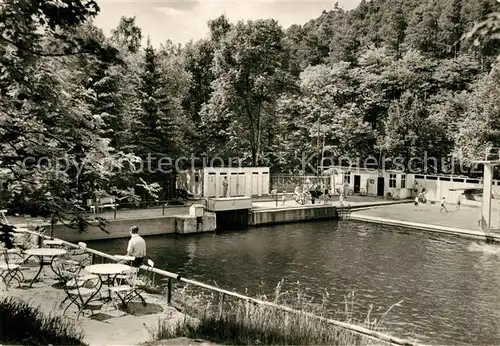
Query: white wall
[399,191]
[450,190]
[371,189]
[242,181]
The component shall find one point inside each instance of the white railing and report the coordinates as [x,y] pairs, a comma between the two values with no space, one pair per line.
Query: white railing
[172,276]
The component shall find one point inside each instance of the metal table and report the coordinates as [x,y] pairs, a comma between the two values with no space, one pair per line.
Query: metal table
[42,254]
[110,270]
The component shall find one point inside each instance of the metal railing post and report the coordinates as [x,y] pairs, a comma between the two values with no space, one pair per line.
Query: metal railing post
[221,310]
[169,288]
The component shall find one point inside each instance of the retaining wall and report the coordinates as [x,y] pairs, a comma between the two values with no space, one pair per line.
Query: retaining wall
[116,229]
[282,215]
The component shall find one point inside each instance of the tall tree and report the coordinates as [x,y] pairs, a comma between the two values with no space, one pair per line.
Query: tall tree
[480,126]
[127,35]
[451,27]
[251,70]
[54,153]
[105,81]
[422,31]
[393,29]
[411,135]
[155,121]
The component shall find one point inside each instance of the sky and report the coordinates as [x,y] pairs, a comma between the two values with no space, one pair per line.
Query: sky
[182,20]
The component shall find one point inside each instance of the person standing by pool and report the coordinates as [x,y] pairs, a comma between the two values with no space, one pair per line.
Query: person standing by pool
[224,187]
[443,206]
[458,202]
[415,203]
[136,247]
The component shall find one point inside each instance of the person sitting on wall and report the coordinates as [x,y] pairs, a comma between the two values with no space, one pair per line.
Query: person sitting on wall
[297,195]
[274,193]
[312,192]
[326,196]
[136,247]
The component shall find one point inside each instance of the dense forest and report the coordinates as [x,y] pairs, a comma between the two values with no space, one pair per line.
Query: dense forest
[392,81]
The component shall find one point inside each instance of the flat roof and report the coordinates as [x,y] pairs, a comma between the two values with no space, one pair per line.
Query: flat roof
[370,170]
[493,162]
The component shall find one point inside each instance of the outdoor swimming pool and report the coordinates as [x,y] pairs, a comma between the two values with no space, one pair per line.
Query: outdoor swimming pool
[449,287]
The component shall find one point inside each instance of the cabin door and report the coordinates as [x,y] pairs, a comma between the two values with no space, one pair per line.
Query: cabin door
[357,183]
[380,186]
[211,185]
[242,184]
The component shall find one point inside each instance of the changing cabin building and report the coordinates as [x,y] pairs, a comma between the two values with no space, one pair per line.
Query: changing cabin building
[241,181]
[371,182]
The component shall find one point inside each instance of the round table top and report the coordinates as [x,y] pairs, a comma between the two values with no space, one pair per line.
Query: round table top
[46,252]
[107,268]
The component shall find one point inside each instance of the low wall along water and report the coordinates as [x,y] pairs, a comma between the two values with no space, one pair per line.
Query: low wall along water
[285,215]
[117,229]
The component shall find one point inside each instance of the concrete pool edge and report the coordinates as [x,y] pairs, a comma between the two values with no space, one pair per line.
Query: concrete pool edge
[458,232]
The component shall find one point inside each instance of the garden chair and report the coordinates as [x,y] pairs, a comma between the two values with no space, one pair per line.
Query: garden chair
[148,278]
[126,288]
[72,262]
[80,291]
[10,266]
[141,281]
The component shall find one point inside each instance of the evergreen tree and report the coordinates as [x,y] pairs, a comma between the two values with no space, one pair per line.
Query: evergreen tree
[154,127]
[451,27]
[393,30]
[422,30]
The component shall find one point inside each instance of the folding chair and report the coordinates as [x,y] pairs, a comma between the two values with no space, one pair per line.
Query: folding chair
[3,218]
[10,268]
[80,291]
[126,288]
[72,263]
[149,276]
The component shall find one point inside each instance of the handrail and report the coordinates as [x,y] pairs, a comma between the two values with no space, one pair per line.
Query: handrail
[351,327]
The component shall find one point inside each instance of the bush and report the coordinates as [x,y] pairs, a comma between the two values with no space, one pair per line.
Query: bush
[23,324]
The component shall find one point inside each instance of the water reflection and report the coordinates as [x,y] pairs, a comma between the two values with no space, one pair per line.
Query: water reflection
[448,287]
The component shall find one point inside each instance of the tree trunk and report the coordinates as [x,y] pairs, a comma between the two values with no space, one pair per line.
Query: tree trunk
[259,126]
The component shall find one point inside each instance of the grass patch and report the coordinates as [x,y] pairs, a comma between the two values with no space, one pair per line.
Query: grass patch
[23,324]
[232,321]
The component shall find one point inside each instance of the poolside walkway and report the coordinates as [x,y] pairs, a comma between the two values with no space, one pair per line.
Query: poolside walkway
[259,202]
[350,201]
[463,222]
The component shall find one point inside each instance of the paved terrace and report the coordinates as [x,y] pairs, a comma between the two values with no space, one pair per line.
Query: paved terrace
[109,326]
